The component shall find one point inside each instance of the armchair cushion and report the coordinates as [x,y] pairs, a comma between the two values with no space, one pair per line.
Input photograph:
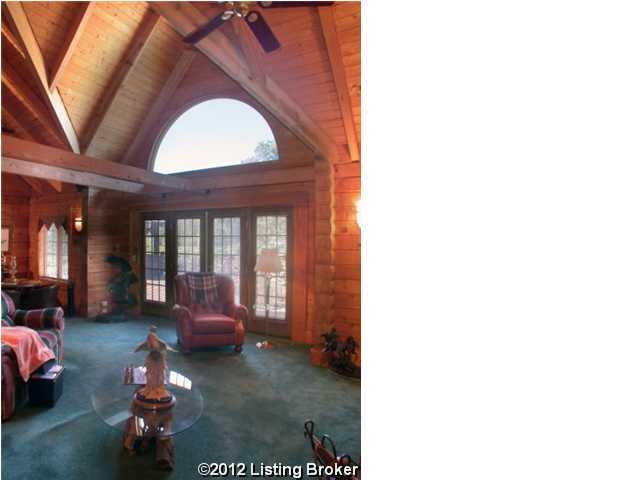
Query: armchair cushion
[212,323]
[202,288]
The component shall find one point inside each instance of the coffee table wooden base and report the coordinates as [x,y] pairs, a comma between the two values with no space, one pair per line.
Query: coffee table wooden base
[165,453]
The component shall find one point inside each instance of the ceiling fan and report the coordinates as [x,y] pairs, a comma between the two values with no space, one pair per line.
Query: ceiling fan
[254,19]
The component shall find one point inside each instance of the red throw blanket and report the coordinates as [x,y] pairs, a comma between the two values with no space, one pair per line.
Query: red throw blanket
[30,350]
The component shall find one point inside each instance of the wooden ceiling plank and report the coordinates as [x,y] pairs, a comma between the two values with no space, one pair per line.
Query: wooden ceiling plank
[119,78]
[20,25]
[16,85]
[328,23]
[71,41]
[185,18]
[39,170]
[163,98]
[45,155]
[9,116]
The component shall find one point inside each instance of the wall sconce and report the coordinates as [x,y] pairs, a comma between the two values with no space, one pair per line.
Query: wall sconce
[358,213]
[77,224]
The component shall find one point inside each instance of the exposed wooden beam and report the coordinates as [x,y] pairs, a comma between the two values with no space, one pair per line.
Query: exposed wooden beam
[80,21]
[16,85]
[19,23]
[269,177]
[10,37]
[45,155]
[185,18]
[119,78]
[39,170]
[163,98]
[328,23]
[247,43]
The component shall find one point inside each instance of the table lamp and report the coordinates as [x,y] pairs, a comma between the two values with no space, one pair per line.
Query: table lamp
[269,264]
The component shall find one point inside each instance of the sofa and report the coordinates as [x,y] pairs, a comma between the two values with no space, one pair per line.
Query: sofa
[49,323]
[206,314]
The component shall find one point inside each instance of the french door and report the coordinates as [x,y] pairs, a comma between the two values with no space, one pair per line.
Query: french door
[172,244]
[226,242]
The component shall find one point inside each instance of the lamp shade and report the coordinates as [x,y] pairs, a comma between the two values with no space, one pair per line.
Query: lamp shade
[268,261]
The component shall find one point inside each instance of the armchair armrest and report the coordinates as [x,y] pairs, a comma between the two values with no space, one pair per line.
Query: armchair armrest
[184,319]
[41,318]
[237,312]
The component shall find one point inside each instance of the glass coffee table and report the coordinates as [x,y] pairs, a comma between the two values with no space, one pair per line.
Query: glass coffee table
[113,403]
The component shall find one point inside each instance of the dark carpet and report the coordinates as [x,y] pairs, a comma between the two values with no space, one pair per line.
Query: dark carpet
[255,405]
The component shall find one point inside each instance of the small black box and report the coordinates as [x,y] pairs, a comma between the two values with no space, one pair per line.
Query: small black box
[45,388]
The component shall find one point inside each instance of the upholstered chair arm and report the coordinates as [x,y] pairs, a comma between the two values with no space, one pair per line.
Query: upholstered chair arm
[184,319]
[237,312]
[41,318]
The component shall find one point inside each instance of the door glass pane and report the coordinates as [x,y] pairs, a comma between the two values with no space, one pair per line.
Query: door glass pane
[188,245]
[226,249]
[271,232]
[154,260]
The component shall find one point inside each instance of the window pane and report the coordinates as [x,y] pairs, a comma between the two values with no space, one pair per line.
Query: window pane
[226,249]
[154,260]
[188,239]
[273,234]
[64,254]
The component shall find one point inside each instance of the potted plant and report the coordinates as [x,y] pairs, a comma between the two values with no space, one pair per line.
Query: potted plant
[342,359]
[321,354]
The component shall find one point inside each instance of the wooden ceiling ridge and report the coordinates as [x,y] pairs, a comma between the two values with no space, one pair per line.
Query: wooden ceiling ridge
[119,78]
[19,23]
[185,18]
[168,89]
[330,33]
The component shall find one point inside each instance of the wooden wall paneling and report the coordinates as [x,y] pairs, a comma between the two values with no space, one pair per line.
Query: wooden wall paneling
[73,34]
[168,89]
[67,205]
[35,61]
[107,233]
[15,214]
[142,36]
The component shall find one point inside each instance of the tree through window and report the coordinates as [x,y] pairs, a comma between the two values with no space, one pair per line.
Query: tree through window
[215,133]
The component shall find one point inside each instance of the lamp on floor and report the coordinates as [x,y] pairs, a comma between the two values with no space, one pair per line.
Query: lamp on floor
[269,264]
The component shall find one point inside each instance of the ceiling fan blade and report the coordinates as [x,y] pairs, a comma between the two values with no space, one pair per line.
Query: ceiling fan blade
[293,4]
[207,28]
[262,31]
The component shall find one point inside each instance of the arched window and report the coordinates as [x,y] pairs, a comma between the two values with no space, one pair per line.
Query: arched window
[215,133]
[54,251]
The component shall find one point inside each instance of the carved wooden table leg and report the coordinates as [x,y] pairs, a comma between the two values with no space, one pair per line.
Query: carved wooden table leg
[129,440]
[165,453]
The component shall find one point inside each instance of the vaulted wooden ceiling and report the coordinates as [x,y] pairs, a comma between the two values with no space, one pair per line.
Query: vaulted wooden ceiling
[86,76]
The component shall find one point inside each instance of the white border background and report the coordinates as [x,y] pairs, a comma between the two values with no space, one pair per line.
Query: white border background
[501,245]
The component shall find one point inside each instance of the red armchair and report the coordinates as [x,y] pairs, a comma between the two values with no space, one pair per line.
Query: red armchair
[222,323]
